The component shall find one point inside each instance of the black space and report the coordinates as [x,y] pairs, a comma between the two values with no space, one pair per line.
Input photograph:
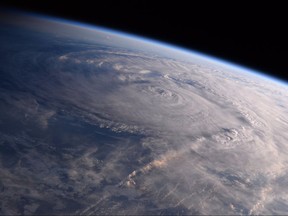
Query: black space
[252,35]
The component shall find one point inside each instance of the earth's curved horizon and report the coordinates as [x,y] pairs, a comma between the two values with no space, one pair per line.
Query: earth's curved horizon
[100,122]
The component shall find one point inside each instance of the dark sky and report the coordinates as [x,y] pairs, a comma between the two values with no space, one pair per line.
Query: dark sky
[248,34]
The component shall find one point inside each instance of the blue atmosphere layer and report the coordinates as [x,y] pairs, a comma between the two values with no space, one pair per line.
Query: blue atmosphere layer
[167,45]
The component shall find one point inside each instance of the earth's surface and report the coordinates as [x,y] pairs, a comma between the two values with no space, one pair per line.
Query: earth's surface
[94,122]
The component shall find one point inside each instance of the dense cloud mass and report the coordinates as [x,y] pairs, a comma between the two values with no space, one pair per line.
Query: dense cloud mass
[104,127]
